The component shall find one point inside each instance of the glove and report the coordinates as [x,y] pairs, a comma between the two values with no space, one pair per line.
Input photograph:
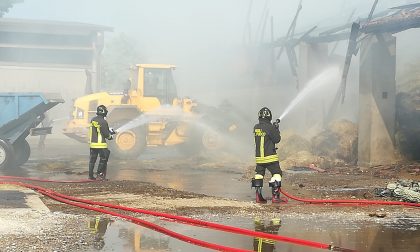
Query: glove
[276,123]
[112,131]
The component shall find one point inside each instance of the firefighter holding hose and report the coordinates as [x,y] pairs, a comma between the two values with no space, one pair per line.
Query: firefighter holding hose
[98,133]
[266,136]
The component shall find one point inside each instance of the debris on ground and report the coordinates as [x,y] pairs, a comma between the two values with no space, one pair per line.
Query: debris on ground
[405,190]
[379,213]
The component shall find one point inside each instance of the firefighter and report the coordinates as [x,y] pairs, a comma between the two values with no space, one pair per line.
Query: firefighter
[264,244]
[99,132]
[98,226]
[266,136]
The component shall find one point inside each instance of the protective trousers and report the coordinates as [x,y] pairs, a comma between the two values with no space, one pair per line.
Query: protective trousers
[275,181]
[273,167]
[104,154]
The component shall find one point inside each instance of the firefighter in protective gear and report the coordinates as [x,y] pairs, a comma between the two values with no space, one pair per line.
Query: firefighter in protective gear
[266,136]
[98,226]
[264,244]
[98,133]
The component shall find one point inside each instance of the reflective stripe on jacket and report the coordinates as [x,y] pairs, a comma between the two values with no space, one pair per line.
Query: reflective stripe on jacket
[266,137]
[98,133]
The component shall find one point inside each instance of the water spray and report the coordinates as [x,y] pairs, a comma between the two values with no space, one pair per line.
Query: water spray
[323,79]
[165,111]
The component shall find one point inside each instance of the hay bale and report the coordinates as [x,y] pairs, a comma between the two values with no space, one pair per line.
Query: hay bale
[298,159]
[305,158]
[338,141]
[292,143]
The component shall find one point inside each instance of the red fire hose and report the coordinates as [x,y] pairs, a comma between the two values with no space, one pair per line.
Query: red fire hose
[146,224]
[201,223]
[70,200]
[350,202]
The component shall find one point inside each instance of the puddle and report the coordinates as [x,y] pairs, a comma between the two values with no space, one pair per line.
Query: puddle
[117,235]
[12,199]
[209,182]
[180,177]
[401,235]
[348,189]
[353,189]
[300,170]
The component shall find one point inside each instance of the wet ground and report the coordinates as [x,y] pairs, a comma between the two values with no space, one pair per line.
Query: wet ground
[123,236]
[219,191]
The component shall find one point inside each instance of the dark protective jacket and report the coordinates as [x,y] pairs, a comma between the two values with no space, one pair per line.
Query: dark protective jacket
[264,244]
[99,132]
[266,136]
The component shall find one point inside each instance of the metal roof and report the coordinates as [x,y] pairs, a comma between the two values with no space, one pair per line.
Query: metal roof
[393,20]
[49,26]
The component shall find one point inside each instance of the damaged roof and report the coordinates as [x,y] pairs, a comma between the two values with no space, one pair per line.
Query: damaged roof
[48,26]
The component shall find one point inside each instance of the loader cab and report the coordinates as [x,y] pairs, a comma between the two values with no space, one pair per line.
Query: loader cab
[155,81]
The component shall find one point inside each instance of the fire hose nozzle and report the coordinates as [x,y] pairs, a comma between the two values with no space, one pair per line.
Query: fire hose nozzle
[276,123]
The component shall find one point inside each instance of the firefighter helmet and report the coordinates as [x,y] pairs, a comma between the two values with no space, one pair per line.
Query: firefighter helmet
[265,113]
[101,110]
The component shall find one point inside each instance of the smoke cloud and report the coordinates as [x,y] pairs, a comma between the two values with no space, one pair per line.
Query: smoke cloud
[219,46]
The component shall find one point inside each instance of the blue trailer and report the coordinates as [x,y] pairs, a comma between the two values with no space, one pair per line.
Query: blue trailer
[20,114]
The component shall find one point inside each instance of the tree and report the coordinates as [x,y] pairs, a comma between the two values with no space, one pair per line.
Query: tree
[5,5]
[119,55]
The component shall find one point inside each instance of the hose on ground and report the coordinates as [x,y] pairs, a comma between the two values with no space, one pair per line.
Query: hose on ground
[349,201]
[138,221]
[186,220]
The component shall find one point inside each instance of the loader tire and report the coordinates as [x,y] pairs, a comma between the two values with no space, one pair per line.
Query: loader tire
[211,140]
[200,140]
[22,152]
[128,144]
[6,155]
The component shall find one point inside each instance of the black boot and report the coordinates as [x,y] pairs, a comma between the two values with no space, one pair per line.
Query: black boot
[258,184]
[275,189]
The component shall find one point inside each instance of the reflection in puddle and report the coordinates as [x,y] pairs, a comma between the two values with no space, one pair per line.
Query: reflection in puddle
[98,226]
[262,244]
[117,235]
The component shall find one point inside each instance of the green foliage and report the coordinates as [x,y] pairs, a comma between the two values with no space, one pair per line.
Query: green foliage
[5,5]
[119,54]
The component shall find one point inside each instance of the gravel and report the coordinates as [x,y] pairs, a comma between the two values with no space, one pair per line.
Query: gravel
[35,231]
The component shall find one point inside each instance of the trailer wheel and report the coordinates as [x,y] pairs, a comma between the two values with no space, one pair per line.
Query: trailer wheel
[6,154]
[128,144]
[22,152]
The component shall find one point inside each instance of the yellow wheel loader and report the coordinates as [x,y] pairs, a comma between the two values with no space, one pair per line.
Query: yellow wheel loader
[149,113]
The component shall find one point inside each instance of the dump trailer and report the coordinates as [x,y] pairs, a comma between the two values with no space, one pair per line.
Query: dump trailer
[20,114]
